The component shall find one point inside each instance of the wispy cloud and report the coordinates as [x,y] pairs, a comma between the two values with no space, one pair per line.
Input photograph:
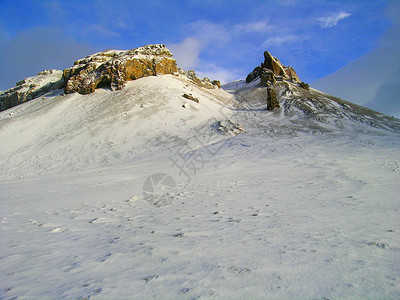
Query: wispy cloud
[332,20]
[279,40]
[208,32]
[256,27]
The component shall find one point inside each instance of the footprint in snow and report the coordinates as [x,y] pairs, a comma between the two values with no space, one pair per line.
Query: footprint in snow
[240,270]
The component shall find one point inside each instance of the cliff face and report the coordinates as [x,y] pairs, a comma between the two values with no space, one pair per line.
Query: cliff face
[113,68]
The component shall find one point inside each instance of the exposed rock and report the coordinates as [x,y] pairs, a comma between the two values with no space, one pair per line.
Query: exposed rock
[273,64]
[253,74]
[113,68]
[31,87]
[271,70]
[205,82]
[272,100]
[228,127]
[191,97]
[304,85]
[216,83]
[267,77]
[292,74]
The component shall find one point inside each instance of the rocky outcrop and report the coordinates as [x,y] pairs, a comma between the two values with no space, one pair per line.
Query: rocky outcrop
[271,70]
[272,100]
[228,127]
[267,77]
[114,68]
[205,82]
[111,69]
[190,97]
[31,87]
[304,85]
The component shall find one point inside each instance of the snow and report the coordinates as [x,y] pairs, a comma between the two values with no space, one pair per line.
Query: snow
[35,83]
[274,212]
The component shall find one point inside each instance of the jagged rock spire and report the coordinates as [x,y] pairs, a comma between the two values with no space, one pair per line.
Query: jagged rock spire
[271,70]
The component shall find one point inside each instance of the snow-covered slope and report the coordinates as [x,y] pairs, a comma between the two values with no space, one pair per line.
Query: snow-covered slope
[301,205]
[310,110]
[73,132]
[31,88]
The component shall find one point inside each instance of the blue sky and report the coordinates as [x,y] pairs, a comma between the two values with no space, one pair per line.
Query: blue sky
[220,39]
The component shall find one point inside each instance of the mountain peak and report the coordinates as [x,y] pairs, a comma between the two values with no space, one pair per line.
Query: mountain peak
[112,68]
[272,70]
[109,68]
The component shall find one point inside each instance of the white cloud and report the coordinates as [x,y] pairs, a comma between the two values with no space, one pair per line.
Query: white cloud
[214,72]
[372,79]
[333,20]
[208,32]
[279,40]
[257,27]
[187,52]
[201,34]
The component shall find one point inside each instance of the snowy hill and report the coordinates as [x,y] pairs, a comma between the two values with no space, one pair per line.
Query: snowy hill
[70,132]
[173,188]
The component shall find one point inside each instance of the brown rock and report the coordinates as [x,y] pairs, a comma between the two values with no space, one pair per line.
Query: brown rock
[304,85]
[272,100]
[279,71]
[190,97]
[205,82]
[267,77]
[272,63]
[216,83]
[291,73]
[113,68]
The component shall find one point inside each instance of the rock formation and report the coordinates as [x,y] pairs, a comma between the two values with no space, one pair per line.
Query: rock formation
[113,68]
[272,100]
[190,97]
[304,85]
[31,87]
[272,70]
[205,82]
[228,127]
